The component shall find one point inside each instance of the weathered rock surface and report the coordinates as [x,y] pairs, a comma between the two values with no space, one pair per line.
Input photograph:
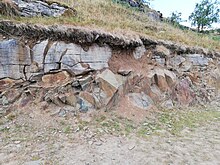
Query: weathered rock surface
[32,8]
[101,73]
[163,78]
[14,57]
[143,7]
[54,79]
[109,83]
[21,62]
[155,16]
[140,100]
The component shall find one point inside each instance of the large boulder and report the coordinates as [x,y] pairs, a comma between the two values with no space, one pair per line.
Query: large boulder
[183,93]
[154,15]
[140,100]
[163,78]
[109,83]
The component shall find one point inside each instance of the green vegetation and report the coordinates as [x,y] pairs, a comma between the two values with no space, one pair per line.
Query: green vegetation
[216,38]
[165,121]
[176,121]
[175,18]
[205,14]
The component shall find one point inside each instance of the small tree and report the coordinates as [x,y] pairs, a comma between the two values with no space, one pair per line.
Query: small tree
[205,14]
[175,18]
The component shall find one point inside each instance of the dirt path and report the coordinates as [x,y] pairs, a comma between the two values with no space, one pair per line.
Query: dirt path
[201,146]
[33,139]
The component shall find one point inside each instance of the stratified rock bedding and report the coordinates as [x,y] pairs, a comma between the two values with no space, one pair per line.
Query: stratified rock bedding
[80,69]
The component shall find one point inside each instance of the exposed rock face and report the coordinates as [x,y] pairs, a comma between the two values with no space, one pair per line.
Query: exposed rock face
[155,16]
[142,6]
[32,8]
[94,75]
[183,92]
[50,80]
[108,83]
[21,62]
[163,78]
[14,57]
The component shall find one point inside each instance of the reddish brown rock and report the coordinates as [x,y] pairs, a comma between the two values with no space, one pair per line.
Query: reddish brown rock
[155,93]
[124,71]
[55,79]
[163,78]
[182,93]
[13,95]
[25,100]
[71,99]
[6,83]
[109,83]
[194,77]
[88,97]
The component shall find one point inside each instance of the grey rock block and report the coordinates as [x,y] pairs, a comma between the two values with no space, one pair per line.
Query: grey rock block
[140,100]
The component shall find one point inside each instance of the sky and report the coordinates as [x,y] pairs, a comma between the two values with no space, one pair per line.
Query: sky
[186,7]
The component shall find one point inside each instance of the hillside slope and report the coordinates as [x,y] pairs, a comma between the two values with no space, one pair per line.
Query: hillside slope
[113,17]
[100,83]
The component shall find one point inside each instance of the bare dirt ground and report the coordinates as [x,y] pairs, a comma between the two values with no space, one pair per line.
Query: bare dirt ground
[33,137]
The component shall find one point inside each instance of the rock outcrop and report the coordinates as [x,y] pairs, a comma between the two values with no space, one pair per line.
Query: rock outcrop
[79,69]
[33,8]
[142,6]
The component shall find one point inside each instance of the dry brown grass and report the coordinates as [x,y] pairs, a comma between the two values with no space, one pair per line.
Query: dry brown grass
[106,15]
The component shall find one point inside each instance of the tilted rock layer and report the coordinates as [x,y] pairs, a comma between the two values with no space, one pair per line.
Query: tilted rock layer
[78,69]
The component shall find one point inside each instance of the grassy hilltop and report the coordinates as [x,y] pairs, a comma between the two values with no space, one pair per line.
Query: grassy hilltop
[112,17]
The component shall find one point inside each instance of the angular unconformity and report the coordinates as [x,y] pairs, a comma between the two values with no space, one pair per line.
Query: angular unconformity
[86,77]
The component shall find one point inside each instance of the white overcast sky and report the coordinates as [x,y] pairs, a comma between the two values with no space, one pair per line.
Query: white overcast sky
[186,7]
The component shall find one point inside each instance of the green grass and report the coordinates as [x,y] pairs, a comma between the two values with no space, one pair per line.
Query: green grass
[174,121]
[169,121]
[116,18]
[193,119]
[216,38]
